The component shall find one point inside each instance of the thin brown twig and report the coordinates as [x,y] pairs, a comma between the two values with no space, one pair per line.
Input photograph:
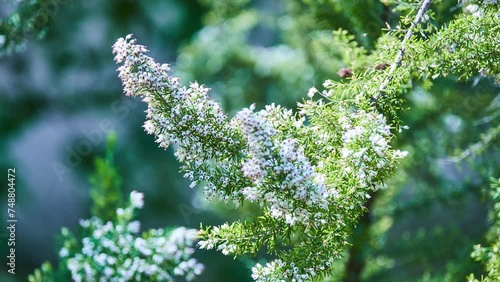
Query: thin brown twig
[397,62]
[356,262]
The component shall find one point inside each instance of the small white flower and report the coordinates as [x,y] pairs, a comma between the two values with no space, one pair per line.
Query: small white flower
[84,223]
[400,154]
[137,199]
[149,127]
[97,234]
[108,272]
[157,259]
[110,260]
[141,245]
[327,83]
[120,212]
[251,193]
[134,226]
[311,92]
[100,259]
[63,252]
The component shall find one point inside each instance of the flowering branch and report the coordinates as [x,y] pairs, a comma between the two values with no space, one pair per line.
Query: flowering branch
[113,251]
[310,179]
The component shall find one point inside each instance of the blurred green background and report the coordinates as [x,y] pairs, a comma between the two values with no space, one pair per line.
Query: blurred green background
[60,96]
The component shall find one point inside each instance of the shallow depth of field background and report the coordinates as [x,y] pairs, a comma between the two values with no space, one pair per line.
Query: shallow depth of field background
[60,97]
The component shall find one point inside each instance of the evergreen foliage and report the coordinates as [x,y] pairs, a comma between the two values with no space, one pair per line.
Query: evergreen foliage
[106,183]
[490,255]
[29,20]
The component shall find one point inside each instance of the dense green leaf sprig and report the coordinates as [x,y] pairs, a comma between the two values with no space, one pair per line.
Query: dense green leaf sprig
[29,20]
[469,44]
[490,255]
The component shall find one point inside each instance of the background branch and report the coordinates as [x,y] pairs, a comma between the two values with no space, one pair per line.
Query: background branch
[397,62]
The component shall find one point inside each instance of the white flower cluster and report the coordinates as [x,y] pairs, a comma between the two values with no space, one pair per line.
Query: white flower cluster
[139,72]
[263,273]
[182,116]
[226,247]
[177,115]
[476,8]
[299,189]
[365,151]
[114,252]
[271,272]
[361,139]
[137,199]
[355,152]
